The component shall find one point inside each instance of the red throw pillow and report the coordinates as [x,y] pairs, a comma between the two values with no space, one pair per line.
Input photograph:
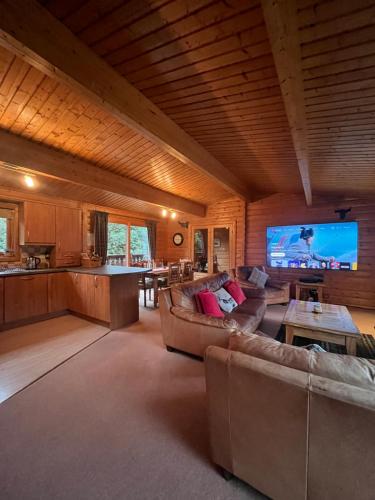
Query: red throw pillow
[209,304]
[235,290]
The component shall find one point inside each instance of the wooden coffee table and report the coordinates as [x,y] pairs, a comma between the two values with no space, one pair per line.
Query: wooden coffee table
[334,324]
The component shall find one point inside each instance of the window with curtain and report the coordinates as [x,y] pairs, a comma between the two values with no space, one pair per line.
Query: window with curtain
[128,243]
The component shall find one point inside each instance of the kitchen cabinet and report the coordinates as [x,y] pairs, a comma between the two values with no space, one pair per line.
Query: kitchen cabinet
[79,294]
[25,297]
[1,301]
[101,297]
[57,292]
[38,223]
[108,294]
[68,237]
[89,295]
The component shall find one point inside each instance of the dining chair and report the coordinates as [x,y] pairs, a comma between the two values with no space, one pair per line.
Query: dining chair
[187,271]
[174,273]
[145,284]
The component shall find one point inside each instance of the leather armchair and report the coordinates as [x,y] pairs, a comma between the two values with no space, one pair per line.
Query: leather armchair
[275,291]
[294,424]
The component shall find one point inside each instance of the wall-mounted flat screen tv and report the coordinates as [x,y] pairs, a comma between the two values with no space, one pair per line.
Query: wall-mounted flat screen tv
[314,246]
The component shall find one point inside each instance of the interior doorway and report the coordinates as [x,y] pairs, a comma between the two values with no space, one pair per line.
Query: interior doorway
[213,248]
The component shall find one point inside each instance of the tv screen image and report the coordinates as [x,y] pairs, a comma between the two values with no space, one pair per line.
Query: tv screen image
[314,246]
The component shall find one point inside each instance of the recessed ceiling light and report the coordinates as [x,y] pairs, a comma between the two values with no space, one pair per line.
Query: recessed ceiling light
[29,181]
[173,215]
[164,212]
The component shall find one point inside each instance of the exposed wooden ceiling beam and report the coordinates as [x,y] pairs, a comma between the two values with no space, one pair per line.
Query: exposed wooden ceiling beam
[30,31]
[281,21]
[22,152]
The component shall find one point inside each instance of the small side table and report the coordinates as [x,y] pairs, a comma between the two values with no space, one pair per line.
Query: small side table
[309,286]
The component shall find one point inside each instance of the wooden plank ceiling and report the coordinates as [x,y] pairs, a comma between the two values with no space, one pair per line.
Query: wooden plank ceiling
[338,59]
[36,107]
[208,65]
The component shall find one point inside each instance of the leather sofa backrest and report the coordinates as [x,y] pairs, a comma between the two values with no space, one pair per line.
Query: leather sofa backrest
[243,272]
[183,294]
[350,370]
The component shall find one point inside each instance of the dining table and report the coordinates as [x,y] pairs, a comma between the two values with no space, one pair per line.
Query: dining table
[155,274]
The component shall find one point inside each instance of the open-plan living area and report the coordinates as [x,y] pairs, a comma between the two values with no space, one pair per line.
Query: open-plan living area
[187,249]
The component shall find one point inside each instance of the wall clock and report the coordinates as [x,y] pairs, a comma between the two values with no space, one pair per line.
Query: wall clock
[178,239]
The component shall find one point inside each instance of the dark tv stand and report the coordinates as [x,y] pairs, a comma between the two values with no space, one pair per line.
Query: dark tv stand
[319,287]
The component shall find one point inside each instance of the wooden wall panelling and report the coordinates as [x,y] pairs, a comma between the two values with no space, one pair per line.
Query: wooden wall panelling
[354,288]
[226,212]
[86,209]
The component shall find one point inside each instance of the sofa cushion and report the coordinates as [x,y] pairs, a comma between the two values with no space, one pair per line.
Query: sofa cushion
[235,290]
[258,278]
[253,307]
[247,323]
[348,369]
[225,300]
[271,350]
[203,319]
[210,304]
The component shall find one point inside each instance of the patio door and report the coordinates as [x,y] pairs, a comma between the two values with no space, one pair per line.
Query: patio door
[213,248]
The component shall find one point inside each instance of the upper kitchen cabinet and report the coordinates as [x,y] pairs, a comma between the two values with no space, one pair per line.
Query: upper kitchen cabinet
[68,236]
[38,224]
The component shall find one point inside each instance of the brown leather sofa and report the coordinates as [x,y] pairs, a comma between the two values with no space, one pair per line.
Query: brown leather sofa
[276,291]
[294,424]
[185,329]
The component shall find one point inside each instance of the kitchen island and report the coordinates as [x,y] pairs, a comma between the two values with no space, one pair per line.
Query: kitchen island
[106,294]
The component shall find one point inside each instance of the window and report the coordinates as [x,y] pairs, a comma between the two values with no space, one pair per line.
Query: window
[8,232]
[118,241]
[139,247]
[3,235]
[127,242]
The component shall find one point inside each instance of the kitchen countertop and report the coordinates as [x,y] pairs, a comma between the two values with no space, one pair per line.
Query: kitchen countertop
[99,271]
[23,272]
[108,270]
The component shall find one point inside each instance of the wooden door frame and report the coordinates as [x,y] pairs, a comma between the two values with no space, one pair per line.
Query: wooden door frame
[210,227]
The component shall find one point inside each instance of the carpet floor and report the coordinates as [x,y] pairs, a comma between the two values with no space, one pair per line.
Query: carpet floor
[29,352]
[123,419]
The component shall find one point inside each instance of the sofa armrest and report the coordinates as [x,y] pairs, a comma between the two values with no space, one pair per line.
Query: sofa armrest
[245,284]
[232,274]
[203,319]
[281,285]
[254,293]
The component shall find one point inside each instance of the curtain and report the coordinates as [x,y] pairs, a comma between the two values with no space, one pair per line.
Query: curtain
[151,231]
[100,223]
